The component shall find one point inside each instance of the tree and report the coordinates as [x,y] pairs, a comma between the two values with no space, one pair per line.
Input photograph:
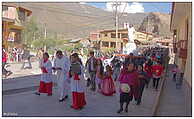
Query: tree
[30,32]
[78,46]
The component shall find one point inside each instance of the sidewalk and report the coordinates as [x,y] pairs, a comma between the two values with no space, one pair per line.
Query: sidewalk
[172,102]
[18,72]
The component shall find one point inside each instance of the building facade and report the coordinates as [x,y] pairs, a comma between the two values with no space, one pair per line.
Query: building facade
[143,38]
[181,25]
[13,19]
[107,38]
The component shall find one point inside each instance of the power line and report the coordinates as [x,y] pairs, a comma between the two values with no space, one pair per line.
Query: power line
[123,10]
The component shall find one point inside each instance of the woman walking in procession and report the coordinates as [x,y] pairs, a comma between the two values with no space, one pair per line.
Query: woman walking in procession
[129,84]
[143,78]
[77,83]
[108,87]
[46,77]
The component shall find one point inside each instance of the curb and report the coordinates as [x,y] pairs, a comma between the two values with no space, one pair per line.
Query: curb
[21,90]
[156,103]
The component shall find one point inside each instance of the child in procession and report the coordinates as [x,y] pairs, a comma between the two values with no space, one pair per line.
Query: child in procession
[157,71]
[99,74]
[108,86]
[77,82]
[46,77]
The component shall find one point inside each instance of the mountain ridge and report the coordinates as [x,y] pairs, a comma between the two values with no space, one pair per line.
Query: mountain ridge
[74,20]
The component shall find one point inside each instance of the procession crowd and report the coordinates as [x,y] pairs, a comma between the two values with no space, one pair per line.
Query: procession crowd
[133,73]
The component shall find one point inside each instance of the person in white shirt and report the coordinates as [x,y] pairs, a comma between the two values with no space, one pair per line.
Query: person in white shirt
[61,66]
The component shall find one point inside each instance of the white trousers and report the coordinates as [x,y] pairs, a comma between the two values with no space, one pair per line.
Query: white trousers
[62,84]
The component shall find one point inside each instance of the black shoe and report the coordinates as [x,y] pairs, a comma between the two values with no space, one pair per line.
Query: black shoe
[119,111]
[37,93]
[66,96]
[81,108]
[126,109]
[138,103]
[61,100]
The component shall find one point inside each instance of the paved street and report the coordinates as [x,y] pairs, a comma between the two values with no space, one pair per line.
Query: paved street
[19,99]
[26,103]
[29,104]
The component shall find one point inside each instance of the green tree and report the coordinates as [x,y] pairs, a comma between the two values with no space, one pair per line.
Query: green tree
[78,45]
[30,32]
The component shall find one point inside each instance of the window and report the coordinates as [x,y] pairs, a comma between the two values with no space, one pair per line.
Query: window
[105,35]
[119,35]
[4,8]
[113,45]
[105,44]
[124,35]
[21,15]
[113,35]
[121,45]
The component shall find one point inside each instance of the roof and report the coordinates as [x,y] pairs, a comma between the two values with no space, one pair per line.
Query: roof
[29,12]
[9,5]
[112,30]
[145,32]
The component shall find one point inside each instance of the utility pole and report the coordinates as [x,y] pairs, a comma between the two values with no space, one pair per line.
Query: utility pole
[147,29]
[45,34]
[116,20]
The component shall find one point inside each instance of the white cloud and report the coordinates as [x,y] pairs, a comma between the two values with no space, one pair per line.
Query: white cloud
[135,7]
[82,3]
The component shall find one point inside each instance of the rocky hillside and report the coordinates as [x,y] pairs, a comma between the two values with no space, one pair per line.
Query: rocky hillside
[157,23]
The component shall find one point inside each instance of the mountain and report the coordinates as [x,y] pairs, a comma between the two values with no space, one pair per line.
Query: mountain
[157,23]
[74,20]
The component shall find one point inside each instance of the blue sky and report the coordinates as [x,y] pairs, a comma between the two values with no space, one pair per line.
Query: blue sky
[164,7]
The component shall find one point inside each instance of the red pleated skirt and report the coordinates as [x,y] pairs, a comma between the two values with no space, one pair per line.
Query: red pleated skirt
[45,87]
[78,100]
[108,87]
